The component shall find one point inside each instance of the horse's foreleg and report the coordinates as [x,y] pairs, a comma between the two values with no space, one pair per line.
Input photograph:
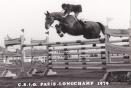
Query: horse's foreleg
[58,28]
[59,31]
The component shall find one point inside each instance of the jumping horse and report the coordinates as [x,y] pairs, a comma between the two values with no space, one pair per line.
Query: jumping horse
[71,25]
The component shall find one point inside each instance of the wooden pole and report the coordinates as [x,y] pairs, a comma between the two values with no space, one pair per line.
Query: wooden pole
[22,54]
[108,60]
[130,14]
[32,57]
[6,57]
[22,50]
[130,30]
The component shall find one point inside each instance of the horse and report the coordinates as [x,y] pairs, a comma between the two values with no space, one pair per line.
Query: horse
[73,26]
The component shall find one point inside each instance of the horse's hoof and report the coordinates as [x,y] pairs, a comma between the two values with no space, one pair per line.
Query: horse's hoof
[56,25]
[61,35]
[58,32]
[94,45]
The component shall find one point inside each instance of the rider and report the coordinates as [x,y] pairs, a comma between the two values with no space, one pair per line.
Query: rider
[68,8]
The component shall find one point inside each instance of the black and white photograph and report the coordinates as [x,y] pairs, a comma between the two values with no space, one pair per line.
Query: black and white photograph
[65,43]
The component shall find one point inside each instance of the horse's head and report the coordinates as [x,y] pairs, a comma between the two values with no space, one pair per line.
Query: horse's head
[49,20]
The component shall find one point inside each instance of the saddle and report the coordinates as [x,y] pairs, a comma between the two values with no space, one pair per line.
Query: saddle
[75,19]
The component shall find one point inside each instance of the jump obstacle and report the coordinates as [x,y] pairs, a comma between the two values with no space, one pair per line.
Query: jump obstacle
[76,55]
[64,52]
[84,63]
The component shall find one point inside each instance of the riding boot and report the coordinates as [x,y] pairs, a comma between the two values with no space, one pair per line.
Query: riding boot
[76,15]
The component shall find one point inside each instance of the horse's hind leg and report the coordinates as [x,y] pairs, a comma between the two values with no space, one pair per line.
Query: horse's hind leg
[91,36]
[87,36]
[95,36]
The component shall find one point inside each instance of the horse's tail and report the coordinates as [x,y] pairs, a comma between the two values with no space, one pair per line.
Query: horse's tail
[102,27]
